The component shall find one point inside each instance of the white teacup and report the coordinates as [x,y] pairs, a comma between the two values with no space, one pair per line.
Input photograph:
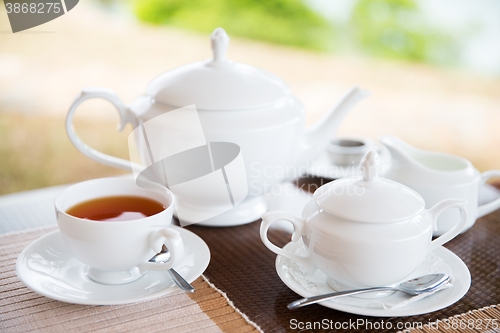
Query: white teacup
[118,252]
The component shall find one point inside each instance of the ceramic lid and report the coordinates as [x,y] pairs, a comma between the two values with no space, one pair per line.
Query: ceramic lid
[218,83]
[369,198]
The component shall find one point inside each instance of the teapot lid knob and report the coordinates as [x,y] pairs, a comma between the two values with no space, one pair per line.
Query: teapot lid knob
[220,43]
[370,165]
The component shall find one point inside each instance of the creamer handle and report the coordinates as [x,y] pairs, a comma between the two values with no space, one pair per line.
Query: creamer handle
[495,204]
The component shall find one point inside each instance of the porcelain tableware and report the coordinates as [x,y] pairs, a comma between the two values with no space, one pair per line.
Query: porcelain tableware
[441,260]
[342,156]
[365,232]
[48,267]
[346,151]
[118,252]
[437,176]
[236,103]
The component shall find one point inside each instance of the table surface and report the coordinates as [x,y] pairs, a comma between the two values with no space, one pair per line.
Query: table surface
[244,269]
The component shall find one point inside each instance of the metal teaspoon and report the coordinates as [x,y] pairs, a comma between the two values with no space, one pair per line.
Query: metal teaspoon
[163,256]
[420,285]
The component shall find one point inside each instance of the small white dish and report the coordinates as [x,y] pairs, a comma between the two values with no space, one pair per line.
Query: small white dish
[324,166]
[47,267]
[441,260]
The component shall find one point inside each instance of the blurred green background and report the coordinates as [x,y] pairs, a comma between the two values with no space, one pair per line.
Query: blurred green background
[383,28]
[287,22]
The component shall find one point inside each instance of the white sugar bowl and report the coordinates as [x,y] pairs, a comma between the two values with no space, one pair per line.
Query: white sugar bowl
[365,232]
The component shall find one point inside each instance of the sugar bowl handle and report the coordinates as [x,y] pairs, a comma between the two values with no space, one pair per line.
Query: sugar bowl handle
[299,226]
[440,207]
[495,204]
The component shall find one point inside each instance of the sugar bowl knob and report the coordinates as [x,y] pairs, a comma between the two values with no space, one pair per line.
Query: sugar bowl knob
[370,166]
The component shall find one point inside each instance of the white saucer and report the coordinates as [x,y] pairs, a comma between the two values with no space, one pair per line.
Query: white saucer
[247,211]
[317,285]
[47,267]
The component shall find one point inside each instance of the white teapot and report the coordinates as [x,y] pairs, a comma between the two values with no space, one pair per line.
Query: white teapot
[238,104]
[365,232]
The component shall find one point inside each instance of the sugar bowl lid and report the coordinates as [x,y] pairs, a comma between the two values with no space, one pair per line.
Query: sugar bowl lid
[369,198]
[218,83]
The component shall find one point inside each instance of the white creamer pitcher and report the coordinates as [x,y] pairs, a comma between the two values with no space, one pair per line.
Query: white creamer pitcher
[437,176]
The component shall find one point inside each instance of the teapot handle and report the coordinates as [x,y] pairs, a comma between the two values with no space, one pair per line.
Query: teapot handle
[299,226]
[440,207]
[125,117]
[495,204]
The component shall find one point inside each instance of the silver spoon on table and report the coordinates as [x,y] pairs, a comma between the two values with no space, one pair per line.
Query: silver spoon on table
[420,285]
[163,256]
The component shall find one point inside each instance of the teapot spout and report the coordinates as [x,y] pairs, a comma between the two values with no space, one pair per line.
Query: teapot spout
[318,135]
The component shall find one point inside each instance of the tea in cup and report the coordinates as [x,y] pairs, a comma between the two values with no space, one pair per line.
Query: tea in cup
[114,227]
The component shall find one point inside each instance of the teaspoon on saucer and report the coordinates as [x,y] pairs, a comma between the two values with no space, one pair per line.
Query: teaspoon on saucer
[163,256]
[417,286]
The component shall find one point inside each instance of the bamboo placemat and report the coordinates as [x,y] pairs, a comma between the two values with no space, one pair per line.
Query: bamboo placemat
[22,310]
[486,319]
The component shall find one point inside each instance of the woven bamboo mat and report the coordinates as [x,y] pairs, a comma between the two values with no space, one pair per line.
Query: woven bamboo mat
[486,319]
[22,310]
[245,269]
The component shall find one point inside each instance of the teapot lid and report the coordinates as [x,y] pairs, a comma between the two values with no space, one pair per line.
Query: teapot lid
[218,83]
[369,198]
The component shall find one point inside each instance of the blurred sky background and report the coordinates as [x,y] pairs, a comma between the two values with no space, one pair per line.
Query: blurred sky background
[433,68]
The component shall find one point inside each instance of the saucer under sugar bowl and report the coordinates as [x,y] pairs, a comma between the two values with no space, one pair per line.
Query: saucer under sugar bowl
[365,232]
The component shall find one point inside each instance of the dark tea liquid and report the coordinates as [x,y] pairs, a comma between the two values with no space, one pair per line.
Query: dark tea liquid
[116,208]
